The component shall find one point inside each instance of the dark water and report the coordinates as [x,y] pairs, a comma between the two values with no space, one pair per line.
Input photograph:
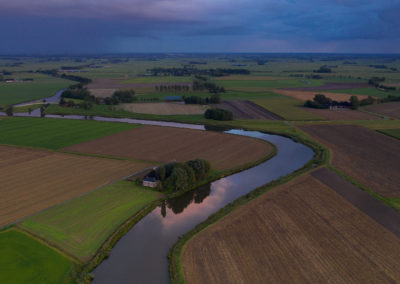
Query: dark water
[141,255]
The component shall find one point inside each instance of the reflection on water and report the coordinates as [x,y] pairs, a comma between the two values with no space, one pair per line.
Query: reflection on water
[178,204]
[141,255]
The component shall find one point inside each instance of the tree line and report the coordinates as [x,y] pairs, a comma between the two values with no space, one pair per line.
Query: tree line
[218,114]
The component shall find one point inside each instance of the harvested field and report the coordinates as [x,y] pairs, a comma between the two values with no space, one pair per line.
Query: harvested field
[164,108]
[342,114]
[333,86]
[388,109]
[247,110]
[308,95]
[370,157]
[32,180]
[166,144]
[301,232]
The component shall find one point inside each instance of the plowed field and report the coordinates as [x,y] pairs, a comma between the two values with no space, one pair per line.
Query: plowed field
[166,144]
[370,157]
[301,232]
[32,180]
[389,109]
[342,114]
[164,108]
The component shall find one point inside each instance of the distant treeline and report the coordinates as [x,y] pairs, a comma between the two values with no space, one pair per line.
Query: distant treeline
[322,102]
[376,82]
[201,83]
[54,73]
[214,99]
[323,69]
[172,88]
[219,72]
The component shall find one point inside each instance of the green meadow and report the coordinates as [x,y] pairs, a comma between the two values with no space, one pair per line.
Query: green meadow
[395,133]
[24,259]
[82,225]
[55,133]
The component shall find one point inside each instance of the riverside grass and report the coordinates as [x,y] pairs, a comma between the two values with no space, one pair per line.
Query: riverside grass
[55,133]
[80,226]
[24,259]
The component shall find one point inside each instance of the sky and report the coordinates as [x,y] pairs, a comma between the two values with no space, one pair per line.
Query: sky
[131,26]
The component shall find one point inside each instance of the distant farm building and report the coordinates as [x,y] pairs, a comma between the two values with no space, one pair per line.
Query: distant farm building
[10,80]
[170,99]
[150,182]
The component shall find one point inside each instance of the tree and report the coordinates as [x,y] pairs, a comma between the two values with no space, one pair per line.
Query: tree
[124,96]
[354,102]
[10,110]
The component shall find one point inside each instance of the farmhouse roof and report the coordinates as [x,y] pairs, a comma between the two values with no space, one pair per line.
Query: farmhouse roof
[149,179]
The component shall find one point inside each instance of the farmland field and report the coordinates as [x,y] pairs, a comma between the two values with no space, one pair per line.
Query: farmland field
[368,156]
[342,114]
[54,133]
[81,225]
[388,109]
[300,232]
[164,108]
[267,84]
[247,110]
[288,108]
[42,87]
[308,95]
[165,144]
[33,180]
[26,260]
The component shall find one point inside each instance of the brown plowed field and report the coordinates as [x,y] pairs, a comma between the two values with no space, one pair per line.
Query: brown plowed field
[301,232]
[308,95]
[247,110]
[369,157]
[342,114]
[389,109]
[164,108]
[32,180]
[166,144]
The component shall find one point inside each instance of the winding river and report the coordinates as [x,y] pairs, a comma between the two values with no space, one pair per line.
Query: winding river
[141,255]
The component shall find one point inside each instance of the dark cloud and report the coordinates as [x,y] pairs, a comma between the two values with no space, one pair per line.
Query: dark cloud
[71,26]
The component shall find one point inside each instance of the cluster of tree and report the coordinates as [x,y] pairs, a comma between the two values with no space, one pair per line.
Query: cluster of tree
[124,96]
[376,82]
[79,92]
[218,114]
[201,83]
[323,102]
[148,99]
[181,176]
[70,103]
[381,66]
[323,69]
[214,99]
[190,71]
[172,88]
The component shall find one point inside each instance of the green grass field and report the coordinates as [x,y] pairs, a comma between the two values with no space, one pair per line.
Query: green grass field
[42,87]
[395,133]
[55,133]
[368,92]
[81,225]
[288,108]
[26,260]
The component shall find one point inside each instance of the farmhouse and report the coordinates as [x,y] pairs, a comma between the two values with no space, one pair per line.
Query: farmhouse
[150,182]
[10,80]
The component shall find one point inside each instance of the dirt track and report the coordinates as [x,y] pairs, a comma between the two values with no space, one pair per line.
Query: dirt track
[166,144]
[301,232]
[388,109]
[369,157]
[247,110]
[32,180]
